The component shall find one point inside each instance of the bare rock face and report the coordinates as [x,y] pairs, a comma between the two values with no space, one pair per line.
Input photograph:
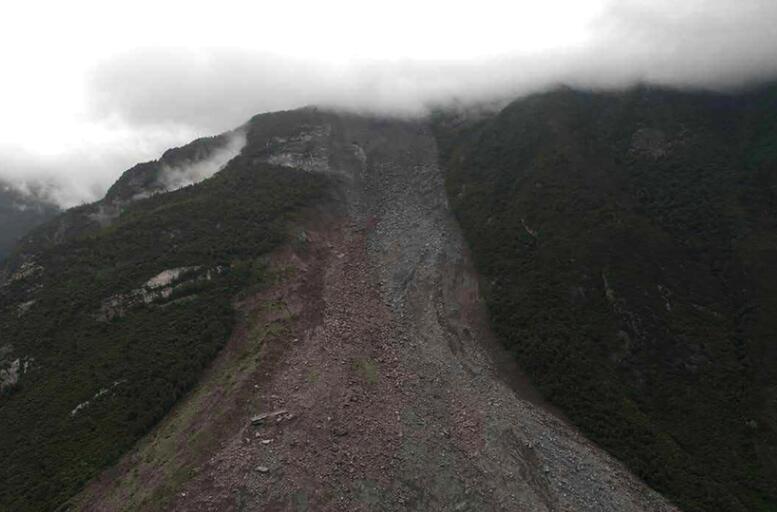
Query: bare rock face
[158,288]
[9,376]
[401,397]
[12,367]
[307,149]
[24,307]
[26,270]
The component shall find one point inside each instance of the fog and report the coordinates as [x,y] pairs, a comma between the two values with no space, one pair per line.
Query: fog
[173,177]
[81,109]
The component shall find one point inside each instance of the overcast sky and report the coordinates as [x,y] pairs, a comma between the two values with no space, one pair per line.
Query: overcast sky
[89,88]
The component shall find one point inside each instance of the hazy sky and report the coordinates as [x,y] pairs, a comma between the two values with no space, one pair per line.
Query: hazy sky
[89,88]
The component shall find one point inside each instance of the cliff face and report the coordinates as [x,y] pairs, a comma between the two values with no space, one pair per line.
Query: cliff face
[628,243]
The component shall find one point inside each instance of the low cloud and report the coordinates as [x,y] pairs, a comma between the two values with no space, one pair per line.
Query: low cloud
[710,44]
[178,176]
[165,96]
[82,174]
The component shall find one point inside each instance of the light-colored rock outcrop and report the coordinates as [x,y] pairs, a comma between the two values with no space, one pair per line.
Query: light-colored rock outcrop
[158,288]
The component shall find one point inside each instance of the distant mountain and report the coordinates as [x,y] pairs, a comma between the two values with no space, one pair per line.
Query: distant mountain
[19,213]
[628,242]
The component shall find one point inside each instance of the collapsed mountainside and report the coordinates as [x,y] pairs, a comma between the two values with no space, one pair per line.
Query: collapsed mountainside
[628,241]
[365,377]
[370,336]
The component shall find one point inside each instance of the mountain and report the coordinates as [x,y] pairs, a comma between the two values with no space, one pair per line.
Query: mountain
[561,304]
[111,311]
[303,330]
[628,243]
[19,213]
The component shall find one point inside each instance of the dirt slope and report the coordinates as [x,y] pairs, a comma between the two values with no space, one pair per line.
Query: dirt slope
[375,348]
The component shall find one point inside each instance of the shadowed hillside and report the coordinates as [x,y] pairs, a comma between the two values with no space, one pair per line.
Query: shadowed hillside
[18,215]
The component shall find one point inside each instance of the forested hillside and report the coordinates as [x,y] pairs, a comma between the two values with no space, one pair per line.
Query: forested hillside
[628,245]
[106,322]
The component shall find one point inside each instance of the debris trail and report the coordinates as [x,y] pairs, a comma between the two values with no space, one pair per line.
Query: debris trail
[389,391]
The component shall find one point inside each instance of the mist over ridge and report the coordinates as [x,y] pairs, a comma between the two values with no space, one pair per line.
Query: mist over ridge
[132,101]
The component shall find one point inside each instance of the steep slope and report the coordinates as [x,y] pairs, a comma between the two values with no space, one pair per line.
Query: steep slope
[629,241]
[105,321]
[368,367]
[18,215]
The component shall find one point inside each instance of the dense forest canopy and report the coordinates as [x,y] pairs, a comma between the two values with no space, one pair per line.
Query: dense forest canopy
[627,241]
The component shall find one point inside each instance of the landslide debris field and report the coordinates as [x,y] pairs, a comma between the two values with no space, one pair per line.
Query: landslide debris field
[364,375]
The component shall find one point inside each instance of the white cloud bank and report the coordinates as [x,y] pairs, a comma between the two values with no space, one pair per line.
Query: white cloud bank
[90,89]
